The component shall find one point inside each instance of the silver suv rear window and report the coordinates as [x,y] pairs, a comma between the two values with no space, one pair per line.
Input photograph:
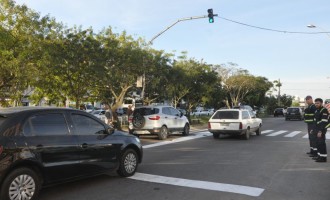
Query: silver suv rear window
[226,115]
[146,111]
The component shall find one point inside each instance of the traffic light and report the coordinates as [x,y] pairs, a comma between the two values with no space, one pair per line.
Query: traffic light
[211,19]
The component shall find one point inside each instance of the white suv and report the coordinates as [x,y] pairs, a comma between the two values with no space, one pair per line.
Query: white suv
[234,122]
[158,120]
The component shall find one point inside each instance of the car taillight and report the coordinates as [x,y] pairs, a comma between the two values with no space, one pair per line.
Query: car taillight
[240,125]
[154,117]
[130,119]
[1,149]
[209,125]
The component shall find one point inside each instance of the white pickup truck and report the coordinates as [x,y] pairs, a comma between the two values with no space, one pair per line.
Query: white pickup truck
[234,122]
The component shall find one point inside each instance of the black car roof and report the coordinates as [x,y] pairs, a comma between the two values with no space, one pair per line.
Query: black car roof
[13,110]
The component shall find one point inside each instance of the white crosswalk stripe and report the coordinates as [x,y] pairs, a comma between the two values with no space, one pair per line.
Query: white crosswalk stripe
[266,131]
[277,133]
[273,133]
[292,134]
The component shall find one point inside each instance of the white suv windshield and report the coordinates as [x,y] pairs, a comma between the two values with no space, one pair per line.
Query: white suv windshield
[226,115]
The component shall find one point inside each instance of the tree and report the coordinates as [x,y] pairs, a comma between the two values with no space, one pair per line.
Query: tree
[122,63]
[21,31]
[70,70]
[257,96]
[278,84]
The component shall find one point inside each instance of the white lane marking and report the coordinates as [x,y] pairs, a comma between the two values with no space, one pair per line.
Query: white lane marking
[306,136]
[277,133]
[292,134]
[222,187]
[266,131]
[182,139]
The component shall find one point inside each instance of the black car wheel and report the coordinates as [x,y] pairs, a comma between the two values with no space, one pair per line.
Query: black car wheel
[216,135]
[246,135]
[186,130]
[20,184]
[162,135]
[258,132]
[128,163]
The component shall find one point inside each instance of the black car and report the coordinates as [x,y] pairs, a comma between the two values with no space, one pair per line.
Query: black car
[279,112]
[46,146]
[294,113]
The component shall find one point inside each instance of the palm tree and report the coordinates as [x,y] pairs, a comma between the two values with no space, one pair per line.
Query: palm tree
[278,84]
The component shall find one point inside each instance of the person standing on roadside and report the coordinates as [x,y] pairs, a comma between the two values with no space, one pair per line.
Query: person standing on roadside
[108,115]
[321,122]
[327,106]
[309,120]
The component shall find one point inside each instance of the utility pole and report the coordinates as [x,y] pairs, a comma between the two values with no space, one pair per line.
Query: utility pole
[211,20]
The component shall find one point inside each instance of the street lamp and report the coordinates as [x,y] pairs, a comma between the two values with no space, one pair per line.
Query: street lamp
[313,26]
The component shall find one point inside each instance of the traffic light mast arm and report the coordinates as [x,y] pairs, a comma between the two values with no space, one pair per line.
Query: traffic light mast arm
[179,20]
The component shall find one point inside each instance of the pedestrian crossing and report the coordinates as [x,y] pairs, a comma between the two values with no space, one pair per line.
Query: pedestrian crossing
[288,134]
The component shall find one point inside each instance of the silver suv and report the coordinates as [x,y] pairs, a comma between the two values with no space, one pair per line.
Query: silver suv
[158,120]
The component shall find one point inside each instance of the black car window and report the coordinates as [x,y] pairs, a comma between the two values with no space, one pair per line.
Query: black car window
[226,115]
[146,111]
[85,125]
[45,125]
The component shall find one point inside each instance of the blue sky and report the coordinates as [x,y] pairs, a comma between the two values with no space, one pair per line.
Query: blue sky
[302,62]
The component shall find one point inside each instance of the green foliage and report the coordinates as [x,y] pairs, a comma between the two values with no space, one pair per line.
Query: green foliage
[61,63]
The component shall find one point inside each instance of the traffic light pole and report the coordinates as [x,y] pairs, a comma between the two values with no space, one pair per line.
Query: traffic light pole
[159,34]
[179,20]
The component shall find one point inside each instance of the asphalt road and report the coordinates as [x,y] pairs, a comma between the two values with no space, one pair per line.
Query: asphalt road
[273,166]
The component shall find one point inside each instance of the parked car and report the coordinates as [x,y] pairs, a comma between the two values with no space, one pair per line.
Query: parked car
[206,112]
[294,113]
[234,122]
[99,114]
[158,120]
[46,146]
[279,112]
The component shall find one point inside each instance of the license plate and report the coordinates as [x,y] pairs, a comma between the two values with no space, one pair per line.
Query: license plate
[224,124]
[292,114]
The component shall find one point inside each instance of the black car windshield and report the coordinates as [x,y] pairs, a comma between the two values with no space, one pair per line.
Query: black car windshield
[293,110]
[226,115]
[146,111]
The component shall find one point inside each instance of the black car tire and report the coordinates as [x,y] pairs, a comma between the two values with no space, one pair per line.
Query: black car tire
[31,183]
[163,133]
[246,135]
[138,121]
[258,132]
[186,130]
[128,163]
[216,135]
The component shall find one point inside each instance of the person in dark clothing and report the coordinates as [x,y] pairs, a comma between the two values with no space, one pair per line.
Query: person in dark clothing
[309,120]
[320,130]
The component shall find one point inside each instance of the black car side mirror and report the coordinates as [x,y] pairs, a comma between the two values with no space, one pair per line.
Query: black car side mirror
[181,114]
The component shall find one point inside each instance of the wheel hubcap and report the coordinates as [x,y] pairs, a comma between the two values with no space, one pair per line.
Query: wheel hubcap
[22,188]
[164,132]
[130,163]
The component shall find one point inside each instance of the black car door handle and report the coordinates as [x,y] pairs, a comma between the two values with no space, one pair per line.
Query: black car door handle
[84,146]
